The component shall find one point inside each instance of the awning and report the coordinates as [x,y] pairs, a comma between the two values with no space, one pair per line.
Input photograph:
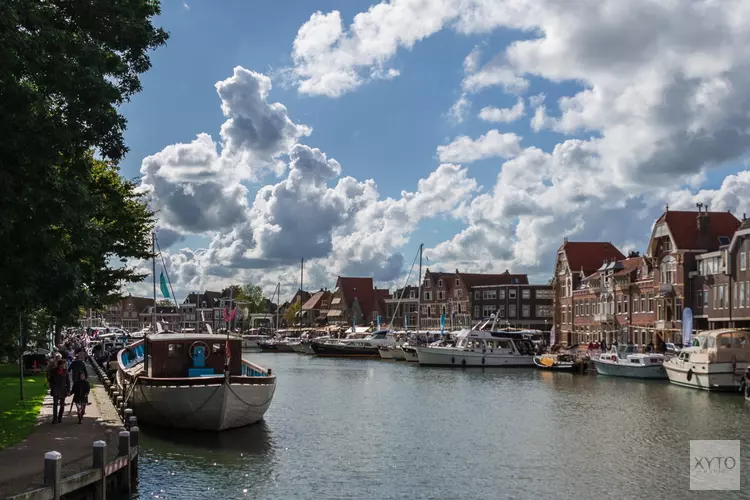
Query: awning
[334,313]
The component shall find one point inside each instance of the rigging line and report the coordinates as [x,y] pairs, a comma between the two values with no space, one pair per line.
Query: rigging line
[229,386]
[403,290]
[181,415]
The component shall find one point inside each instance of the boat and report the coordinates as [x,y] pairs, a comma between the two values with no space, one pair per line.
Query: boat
[252,341]
[386,352]
[625,361]
[367,347]
[560,362]
[297,347]
[275,345]
[397,352]
[717,361]
[479,347]
[193,381]
[410,353]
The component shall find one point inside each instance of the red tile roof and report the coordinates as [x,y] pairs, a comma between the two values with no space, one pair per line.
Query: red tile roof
[687,235]
[315,301]
[359,288]
[629,265]
[589,255]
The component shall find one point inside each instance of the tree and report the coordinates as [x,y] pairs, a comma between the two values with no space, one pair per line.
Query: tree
[252,298]
[164,302]
[290,315]
[67,67]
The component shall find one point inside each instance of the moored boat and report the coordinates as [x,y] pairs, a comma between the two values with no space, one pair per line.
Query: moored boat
[716,361]
[481,348]
[627,362]
[386,352]
[560,362]
[367,347]
[251,341]
[193,381]
[410,353]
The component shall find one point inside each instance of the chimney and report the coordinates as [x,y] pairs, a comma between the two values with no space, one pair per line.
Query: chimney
[702,221]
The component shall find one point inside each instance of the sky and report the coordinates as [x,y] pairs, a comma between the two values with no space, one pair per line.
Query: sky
[348,133]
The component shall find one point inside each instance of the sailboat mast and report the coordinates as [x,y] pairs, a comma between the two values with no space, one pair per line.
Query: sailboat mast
[153,265]
[419,301]
[277,292]
[301,274]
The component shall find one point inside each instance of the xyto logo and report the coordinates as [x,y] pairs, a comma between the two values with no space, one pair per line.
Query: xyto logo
[714,464]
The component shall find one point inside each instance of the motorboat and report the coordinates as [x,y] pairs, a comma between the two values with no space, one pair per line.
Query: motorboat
[716,361]
[560,362]
[626,361]
[367,347]
[252,341]
[478,347]
[193,381]
[386,352]
[275,345]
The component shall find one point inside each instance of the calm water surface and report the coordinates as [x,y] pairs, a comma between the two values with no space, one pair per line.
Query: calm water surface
[351,429]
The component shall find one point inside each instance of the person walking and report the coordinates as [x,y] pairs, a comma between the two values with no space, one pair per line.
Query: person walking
[81,389]
[77,367]
[59,385]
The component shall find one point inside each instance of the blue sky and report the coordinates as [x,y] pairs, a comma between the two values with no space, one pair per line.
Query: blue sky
[389,129]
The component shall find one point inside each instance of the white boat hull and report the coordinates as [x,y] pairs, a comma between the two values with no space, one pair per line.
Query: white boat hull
[613,369]
[705,376]
[398,354]
[249,344]
[410,355]
[298,348]
[385,353]
[307,348]
[441,356]
[211,407]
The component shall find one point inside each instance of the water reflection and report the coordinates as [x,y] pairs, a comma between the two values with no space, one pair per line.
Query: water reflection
[370,430]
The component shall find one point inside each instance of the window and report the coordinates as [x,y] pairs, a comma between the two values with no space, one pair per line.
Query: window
[433,310]
[488,311]
[425,310]
[668,270]
[666,244]
[743,262]
[175,350]
[742,294]
[626,304]
[441,295]
[427,296]
[651,302]
[636,308]
[660,310]
[489,294]
[643,303]
[459,293]
[477,312]
[543,312]
[502,294]
[705,298]
[721,296]
[678,309]
[525,294]
[501,312]
[440,283]
[525,310]
[477,294]
[735,296]
[512,311]
[619,305]
[412,294]
[701,268]
[426,283]
[512,293]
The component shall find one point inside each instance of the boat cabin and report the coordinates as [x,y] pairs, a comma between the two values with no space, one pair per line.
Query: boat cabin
[482,340]
[719,346]
[628,353]
[180,355]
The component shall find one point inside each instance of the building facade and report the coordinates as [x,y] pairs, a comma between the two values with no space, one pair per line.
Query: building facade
[514,305]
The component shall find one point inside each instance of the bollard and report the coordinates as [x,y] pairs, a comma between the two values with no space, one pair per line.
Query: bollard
[114,393]
[118,403]
[133,422]
[127,415]
[124,451]
[52,468]
[100,463]
[134,437]
[122,409]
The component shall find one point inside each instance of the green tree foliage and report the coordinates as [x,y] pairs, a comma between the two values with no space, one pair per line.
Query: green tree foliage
[252,299]
[67,217]
[290,315]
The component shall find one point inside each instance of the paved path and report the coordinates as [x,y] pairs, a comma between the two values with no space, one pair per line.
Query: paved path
[22,465]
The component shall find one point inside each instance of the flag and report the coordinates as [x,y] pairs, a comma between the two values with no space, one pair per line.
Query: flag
[405,326]
[378,321]
[163,286]
[354,325]
[229,354]
[442,324]
[229,316]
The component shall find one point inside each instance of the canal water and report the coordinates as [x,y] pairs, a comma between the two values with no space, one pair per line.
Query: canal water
[352,429]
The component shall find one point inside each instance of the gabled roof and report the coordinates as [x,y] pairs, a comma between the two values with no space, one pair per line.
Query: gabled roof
[589,255]
[315,301]
[630,265]
[209,297]
[379,295]
[685,230]
[359,288]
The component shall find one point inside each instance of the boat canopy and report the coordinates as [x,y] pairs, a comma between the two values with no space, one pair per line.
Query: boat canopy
[206,337]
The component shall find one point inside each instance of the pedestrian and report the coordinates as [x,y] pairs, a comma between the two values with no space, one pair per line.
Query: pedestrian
[59,385]
[78,366]
[603,345]
[81,389]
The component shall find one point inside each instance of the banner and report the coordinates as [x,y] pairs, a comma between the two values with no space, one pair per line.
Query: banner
[163,286]
[552,336]
[379,317]
[442,324]
[687,326]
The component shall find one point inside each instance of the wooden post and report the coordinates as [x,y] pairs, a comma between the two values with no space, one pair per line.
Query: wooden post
[100,463]
[52,469]
[133,421]
[134,438]
[118,404]
[127,415]
[124,451]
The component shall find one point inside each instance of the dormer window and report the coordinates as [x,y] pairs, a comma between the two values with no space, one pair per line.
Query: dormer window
[666,244]
[203,304]
[458,282]
[426,283]
[440,283]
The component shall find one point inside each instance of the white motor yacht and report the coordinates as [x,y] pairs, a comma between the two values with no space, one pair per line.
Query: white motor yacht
[716,361]
[625,361]
[481,348]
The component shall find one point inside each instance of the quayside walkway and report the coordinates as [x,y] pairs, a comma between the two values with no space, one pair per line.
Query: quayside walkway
[22,465]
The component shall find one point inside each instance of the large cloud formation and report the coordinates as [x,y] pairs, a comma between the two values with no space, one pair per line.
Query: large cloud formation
[660,100]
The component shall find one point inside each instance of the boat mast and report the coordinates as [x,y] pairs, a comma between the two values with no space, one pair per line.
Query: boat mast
[301,275]
[277,292]
[153,266]
[419,301]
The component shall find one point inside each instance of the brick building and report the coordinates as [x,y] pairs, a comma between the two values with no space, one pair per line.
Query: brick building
[516,304]
[356,299]
[403,304]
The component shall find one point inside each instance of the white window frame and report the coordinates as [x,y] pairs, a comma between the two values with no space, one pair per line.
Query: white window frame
[526,311]
[512,293]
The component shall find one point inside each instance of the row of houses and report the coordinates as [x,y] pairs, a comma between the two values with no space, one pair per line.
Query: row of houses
[699,260]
